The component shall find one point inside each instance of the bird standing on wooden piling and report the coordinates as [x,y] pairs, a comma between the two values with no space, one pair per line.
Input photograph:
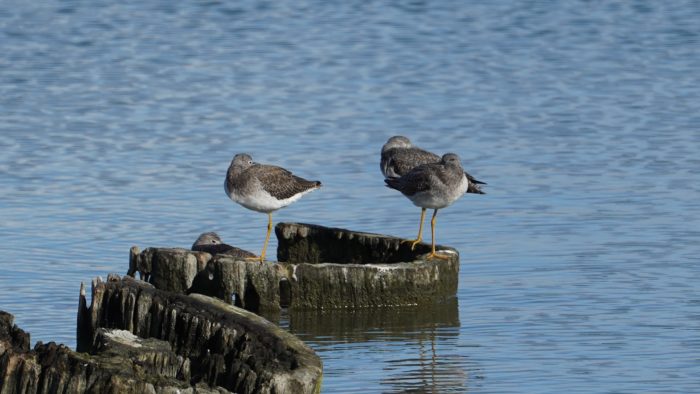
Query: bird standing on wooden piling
[434,186]
[399,156]
[264,188]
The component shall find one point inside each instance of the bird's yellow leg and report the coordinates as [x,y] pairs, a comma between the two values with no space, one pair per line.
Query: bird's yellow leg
[432,233]
[418,240]
[267,238]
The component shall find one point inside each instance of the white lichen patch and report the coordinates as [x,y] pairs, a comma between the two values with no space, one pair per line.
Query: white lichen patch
[387,267]
[124,337]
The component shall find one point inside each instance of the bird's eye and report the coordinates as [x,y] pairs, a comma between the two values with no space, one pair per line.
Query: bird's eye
[213,241]
[250,161]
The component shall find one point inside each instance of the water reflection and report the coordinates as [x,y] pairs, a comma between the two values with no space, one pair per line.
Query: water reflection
[429,373]
[417,345]
[364,325]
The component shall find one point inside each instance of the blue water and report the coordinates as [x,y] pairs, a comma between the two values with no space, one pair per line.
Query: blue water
[580,267]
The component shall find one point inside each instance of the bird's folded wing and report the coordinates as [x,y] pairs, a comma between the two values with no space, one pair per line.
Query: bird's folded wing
[280,183]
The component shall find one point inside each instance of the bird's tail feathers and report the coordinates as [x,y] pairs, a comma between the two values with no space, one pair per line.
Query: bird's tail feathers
[472,188]
[391,182]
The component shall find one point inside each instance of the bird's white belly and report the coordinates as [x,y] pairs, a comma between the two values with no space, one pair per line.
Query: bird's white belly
[263,201]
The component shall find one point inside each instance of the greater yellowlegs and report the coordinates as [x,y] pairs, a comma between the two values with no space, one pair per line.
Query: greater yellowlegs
[434,186]
[399,156]
[264,188]
[211,243]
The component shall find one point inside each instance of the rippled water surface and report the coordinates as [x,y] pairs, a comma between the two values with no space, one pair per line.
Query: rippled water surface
[580,269]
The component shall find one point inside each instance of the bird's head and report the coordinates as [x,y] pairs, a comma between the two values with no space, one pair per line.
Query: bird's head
[242,160]
[210,238]
[397,141]
[451,159]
